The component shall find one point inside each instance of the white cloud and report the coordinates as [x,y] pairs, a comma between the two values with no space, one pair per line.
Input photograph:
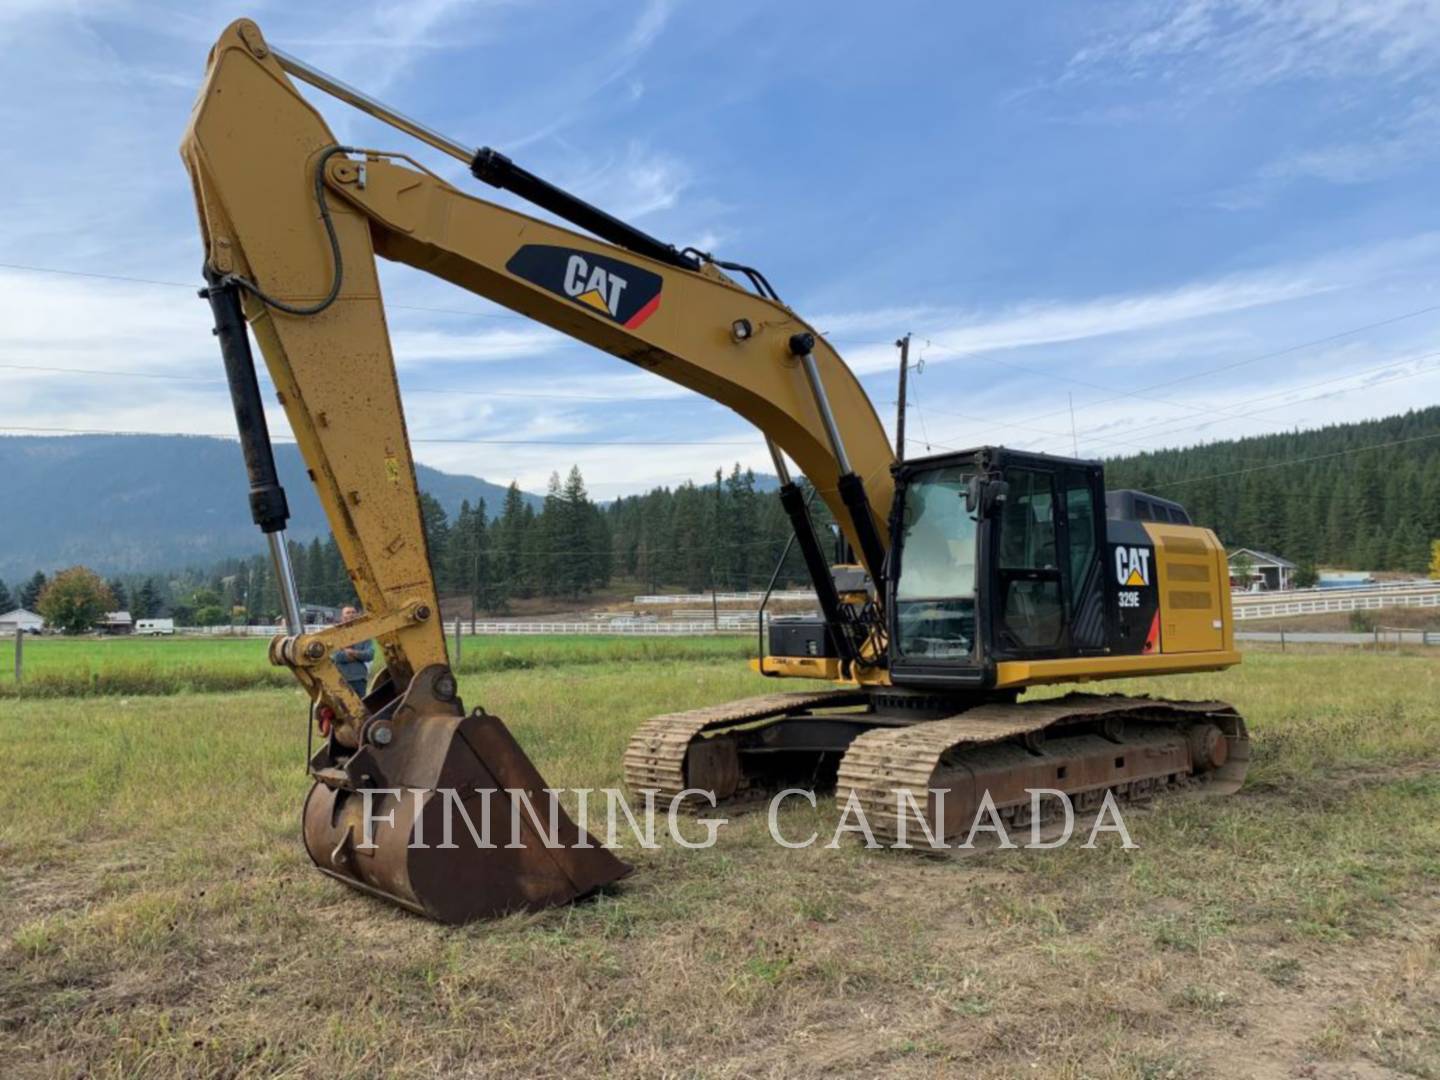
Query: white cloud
[1396,143]
[632,184]
[955,335]
[1254,42]
[413,347]
[1046,322]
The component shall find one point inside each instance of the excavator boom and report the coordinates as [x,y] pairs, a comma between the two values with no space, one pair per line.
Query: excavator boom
[291,223]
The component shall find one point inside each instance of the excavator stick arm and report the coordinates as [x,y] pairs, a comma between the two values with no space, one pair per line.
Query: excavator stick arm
[303,264]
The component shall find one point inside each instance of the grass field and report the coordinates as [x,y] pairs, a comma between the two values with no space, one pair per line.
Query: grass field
[74,667]
[158,915]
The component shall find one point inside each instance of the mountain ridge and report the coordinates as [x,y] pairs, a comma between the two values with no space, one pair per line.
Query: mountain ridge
[177,500]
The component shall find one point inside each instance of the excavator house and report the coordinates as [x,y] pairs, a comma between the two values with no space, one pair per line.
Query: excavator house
[966,579]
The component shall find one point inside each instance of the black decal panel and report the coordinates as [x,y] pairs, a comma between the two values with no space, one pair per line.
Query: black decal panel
[620,291]
[1130,560]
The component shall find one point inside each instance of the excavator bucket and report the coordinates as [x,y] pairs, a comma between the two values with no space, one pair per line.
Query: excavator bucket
[446,816]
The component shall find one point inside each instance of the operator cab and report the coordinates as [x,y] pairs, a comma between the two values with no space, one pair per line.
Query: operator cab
[995,555]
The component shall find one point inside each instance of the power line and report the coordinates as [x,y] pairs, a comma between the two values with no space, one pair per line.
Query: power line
[477,442]
[1164,425]
[505,316]
[209,381]
[1202,372]
[1142,393]
[1301,461]
[1036,372]
[1111,440]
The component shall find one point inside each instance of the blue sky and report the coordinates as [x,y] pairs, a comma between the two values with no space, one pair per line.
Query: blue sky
[1138,209]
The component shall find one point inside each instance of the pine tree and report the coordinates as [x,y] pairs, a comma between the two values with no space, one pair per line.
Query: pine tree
[314,587]
[147,600]
[1408,549]
[7,603]
[119,595]
[465,567]
[335,585]
[436,526]
[30,592]
[545,555]
[584,558]
[510,542]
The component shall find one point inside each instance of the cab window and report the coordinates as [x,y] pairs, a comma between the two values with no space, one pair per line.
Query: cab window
[935,593]
[1031,612]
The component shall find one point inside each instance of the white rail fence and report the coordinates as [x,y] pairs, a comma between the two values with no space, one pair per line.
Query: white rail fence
[1412,594]
[708,627]
[1379,638]
[615,628]
[701,620]
[790,595]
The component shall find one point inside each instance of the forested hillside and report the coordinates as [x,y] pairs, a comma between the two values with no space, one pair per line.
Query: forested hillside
[1364,495]
[137,504]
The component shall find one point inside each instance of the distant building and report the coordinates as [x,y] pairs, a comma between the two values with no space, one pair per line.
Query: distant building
[1268,573]
[1345,579]
[319,615]
[115,622]
[20,619]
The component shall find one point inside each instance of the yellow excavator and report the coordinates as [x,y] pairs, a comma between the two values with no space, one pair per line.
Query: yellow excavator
[974,575]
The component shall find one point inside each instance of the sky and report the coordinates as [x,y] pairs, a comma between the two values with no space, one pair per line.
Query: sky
[1109,226]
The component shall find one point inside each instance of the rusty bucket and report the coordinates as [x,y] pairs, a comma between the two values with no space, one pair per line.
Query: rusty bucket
[431,813]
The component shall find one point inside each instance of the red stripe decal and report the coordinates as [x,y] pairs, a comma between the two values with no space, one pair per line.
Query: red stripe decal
[644,313]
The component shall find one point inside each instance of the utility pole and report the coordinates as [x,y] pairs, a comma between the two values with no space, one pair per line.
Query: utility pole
[904,346]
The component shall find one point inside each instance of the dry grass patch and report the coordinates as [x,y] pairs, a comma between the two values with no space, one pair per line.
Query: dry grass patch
[158,916]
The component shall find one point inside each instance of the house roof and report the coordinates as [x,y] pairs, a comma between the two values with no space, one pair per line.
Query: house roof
[21,614]
[117,617]
[1262,558]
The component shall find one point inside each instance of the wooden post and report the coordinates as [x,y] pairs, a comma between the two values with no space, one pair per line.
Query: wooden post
[19,650]
[459,626]
[1282,639]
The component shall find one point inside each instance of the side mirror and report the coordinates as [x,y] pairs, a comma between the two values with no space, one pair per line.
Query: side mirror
[995,493]
[983,495]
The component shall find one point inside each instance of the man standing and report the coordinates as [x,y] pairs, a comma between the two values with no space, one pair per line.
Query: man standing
[354,662]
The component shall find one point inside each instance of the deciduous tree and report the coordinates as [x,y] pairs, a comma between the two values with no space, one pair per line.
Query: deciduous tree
[75,600]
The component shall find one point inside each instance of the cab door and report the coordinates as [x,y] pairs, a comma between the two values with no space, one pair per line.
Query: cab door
[1049,589]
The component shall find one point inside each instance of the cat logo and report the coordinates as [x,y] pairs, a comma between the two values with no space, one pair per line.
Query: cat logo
[619,291]
[1132,566]
[596,287]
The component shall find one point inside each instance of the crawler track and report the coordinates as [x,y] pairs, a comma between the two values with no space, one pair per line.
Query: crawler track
[655,756]
[1145,748]
[1083,744]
